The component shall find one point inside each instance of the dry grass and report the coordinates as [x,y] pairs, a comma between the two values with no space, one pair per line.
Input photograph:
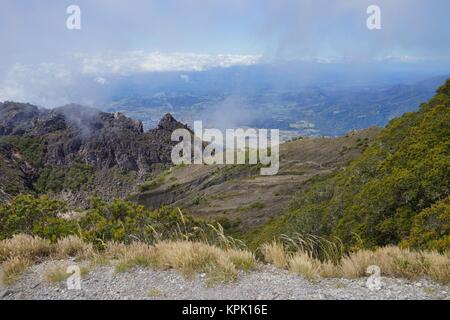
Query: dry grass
[191,257]
[73,246]
[115,250]
[316,247]
[221,263]
[98,259]
[304,265]
[24,246]
[329,270]
[393,261]
[275,253]
[135,255]
[242,259]
[438,267]
[355,265]
[188,257]
[397,262]
[13,268]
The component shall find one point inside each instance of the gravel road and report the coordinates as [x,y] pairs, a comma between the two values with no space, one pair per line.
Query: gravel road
[266,283]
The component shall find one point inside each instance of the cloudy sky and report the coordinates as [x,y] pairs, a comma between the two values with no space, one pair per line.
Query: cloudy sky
[123,37]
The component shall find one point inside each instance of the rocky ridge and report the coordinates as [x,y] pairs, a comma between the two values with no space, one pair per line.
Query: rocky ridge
[116,147]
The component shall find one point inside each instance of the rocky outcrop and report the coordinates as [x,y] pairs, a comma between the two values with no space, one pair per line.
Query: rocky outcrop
[105,141]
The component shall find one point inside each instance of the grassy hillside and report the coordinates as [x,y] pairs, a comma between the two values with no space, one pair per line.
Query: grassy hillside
[240,194]
[397,191]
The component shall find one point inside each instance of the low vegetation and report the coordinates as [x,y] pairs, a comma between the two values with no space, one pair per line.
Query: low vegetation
[127,236]
[220,265]
[220,262]
[252,206]
[71,177]
[395,193]
[152,184]
[116,221]
[12,269]
[392,260]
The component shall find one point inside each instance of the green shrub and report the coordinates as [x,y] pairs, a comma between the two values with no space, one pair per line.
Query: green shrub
[26,214]
[119,221]
[126,222]
[71,177]
[394,191]
[32,149]
[431,228]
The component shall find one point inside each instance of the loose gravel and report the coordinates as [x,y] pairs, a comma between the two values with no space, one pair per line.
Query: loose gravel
[266,283]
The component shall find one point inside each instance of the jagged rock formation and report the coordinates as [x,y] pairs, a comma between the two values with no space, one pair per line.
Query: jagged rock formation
[112,145]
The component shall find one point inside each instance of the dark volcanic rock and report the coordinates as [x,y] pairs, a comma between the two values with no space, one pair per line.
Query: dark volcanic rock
[75,132]
[106,141]
[168,122]
[17,118]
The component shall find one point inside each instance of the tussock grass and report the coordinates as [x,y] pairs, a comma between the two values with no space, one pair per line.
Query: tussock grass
[242,259]
[24,246]
[222,260]
[316,247]
[304,265]
[398,262]
[393,261]
[191,257]
[135,255]
[98,260]
[275,253]
[329,270]
[438,269]
[115,250]
[185,256]
[13,268]
[355,264]
[73,246]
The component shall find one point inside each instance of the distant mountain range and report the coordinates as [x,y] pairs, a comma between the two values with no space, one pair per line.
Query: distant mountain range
[323,109]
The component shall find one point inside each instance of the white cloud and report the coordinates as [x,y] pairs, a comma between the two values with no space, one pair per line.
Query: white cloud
[184,77]
[101,80]
[401,58]
[39,83]
[140,61]
[53,84]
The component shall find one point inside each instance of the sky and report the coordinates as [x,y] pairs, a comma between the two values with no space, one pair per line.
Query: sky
[135,36]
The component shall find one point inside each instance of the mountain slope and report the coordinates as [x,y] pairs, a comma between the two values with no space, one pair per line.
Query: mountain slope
[240,193]
[397,191]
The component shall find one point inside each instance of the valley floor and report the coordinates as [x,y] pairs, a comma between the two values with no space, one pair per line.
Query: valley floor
[267,282]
